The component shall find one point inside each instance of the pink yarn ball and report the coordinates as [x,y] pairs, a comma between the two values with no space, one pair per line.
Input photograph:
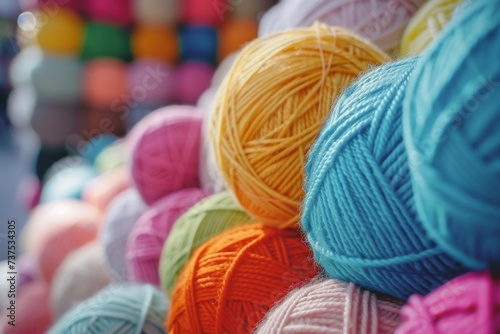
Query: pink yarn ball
[204,12]
[29,192]
[151,82]
[192,79]
[381,21]
[104,82]
[32,312]
[331,306]
[146,241]
[117,12]
[467,304]
[165,152]
[102,190]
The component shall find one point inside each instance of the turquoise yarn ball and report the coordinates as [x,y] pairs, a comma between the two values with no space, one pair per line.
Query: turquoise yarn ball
[68,183]
[127,308]
[359,214]
[452,134]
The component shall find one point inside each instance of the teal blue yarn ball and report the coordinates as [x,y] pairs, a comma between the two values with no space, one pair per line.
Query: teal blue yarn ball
[452,134]
[359,215]
[68,183]
[128,308]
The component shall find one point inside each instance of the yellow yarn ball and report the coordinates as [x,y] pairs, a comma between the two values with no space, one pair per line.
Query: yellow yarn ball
[61,33]
[270,108]
[426,25]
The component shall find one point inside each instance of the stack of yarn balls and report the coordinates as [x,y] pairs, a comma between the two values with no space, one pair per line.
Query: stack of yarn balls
[353,188]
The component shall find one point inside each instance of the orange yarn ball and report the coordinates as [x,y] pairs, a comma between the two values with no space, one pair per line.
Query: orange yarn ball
[235,33]
[104,82]
[61,33]
[235,278]
[272,105]
[102,190]
[155,42]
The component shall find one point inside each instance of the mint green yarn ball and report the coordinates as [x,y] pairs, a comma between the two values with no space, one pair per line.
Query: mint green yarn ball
[205,220]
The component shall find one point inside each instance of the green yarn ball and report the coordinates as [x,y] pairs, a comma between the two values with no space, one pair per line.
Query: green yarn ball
[205,220]
[111,157]
[104,40]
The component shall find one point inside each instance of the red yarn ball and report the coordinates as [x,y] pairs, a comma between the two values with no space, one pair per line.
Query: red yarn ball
[165,152]
[117,12]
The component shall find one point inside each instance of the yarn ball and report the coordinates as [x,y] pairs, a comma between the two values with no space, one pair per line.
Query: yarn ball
[156,11]
[198,43]
[166,151]
[101,191]
[331,306]
[60,243]
[54,122]
[104,82]
[49,218]
[92,148]
[46,157]
[105,40]
[358,172]
[155,42]
[146,240]
[467,304]
[452,139]
[235,278]
[235,33]
[58,78]
[68,183]
[151,82]
[202,12]
[380,21]
[68,162]
[116,12]
[119,309]
[426,25]
[112,157]
[32,312]
[82,274]
[261,134]
[62,33]
[29,192]
[121,217]
[205,220]
[192,79]
[27,272]
[23,65]
[21,104]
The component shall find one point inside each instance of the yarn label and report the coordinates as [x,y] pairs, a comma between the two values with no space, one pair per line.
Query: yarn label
[11,272]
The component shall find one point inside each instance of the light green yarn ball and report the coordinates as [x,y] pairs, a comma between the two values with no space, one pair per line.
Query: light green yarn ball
[111,157]
[206,219]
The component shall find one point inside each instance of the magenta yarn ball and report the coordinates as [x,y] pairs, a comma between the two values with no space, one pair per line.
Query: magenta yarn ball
[117,12]
[165,152]
[192,79]
[151,82]
[146,241]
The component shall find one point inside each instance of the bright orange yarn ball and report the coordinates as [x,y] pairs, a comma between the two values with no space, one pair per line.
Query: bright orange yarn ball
[235,278]
[155,42]
[61,33]
[236,33]
[272,105]
[104,82]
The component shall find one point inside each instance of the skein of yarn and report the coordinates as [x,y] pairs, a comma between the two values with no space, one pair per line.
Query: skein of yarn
[235,278]
[327,306]
[272,105]
[120,219]
[166,152]
[146,240]
[426,25]
[119,309]
[467,304]
[81,275]
[453,139]
[206,219]
[380,21]
[361,148]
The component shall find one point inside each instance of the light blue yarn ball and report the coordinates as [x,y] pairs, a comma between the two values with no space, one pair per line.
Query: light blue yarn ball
[359,214]
[452,134]
[123,309]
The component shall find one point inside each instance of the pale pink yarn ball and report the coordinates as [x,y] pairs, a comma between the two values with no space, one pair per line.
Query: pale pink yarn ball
[468,304]
[166,152]
[101,191]
[151,82]
[327,306]
[380,21]
[146,241]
